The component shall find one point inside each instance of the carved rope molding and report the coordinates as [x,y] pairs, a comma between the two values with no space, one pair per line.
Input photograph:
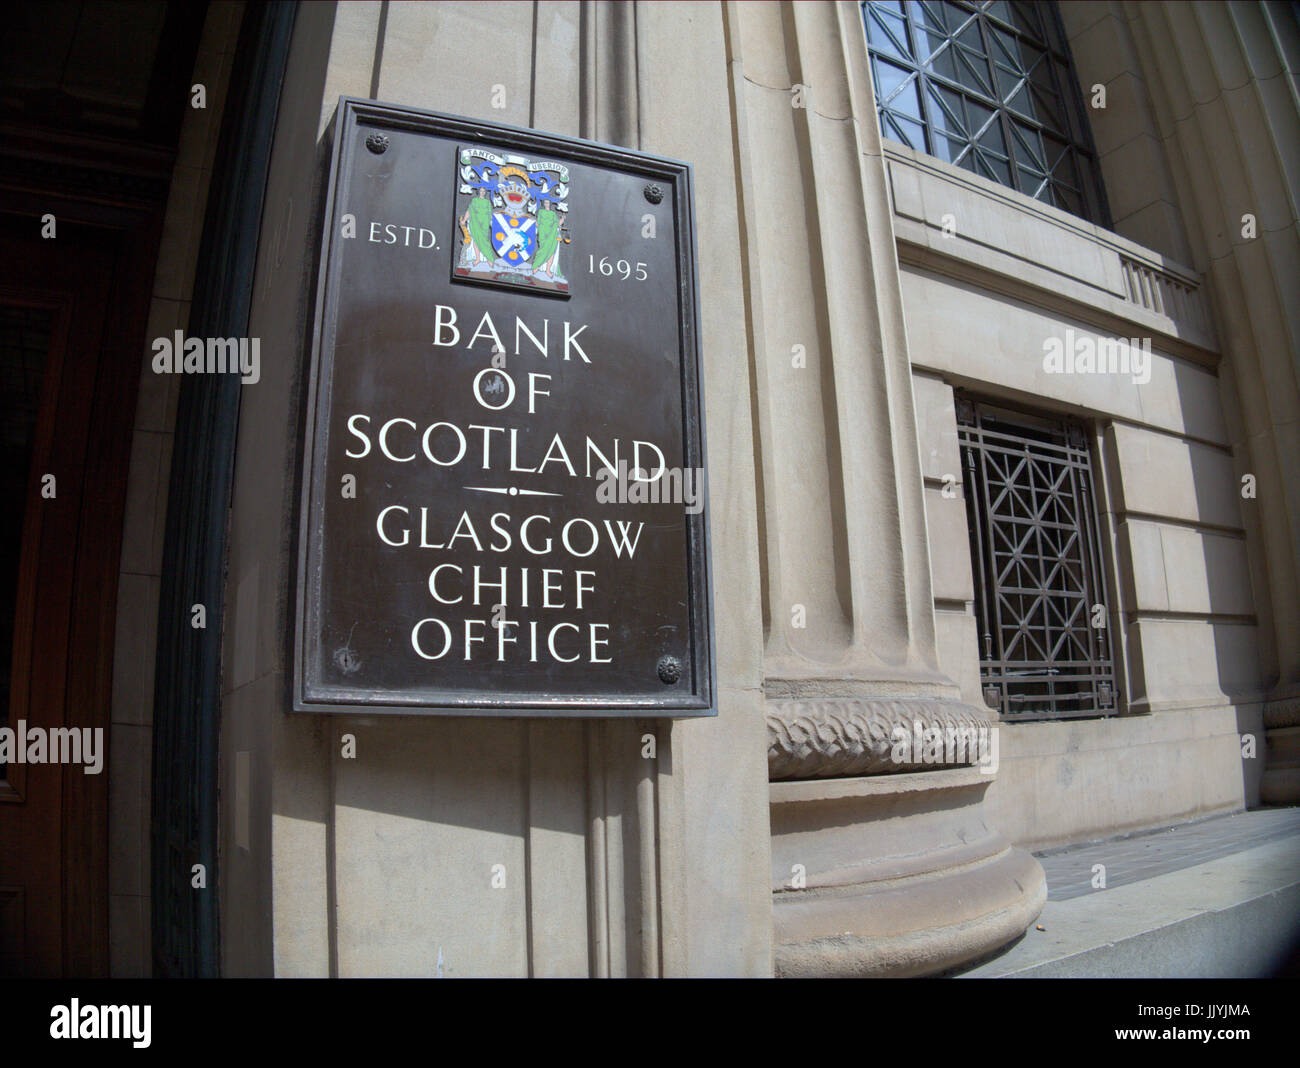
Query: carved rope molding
[824,737]
[1282,713]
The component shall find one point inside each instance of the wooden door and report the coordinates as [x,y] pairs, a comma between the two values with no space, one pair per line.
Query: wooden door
[69,324]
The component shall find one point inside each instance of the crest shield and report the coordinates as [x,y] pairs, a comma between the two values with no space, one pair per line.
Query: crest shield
[514,237]
[511,212]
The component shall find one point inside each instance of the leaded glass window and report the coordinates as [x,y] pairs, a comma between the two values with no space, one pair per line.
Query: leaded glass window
[988,87]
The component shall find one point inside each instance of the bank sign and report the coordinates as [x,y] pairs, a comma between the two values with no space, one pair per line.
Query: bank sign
[503,496]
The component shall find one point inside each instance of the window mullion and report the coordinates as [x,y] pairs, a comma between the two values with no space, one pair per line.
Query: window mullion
[914,57]
[992,596]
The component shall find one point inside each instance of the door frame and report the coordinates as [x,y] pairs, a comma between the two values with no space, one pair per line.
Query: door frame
[187,686]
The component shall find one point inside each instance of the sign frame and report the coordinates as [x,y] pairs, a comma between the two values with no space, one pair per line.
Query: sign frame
[355,120]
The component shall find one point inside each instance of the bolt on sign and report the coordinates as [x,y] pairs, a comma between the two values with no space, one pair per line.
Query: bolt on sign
[503,500]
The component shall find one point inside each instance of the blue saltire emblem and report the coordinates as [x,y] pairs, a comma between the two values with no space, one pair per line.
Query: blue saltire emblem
[514,236]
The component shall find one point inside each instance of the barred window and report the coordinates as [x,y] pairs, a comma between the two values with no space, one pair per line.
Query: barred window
[1040,596]
[990,87]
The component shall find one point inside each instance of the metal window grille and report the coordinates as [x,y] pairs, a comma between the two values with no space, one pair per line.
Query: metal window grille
[989,87]
[1036,555]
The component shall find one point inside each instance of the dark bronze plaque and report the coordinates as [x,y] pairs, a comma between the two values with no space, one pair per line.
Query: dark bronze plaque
[503,489]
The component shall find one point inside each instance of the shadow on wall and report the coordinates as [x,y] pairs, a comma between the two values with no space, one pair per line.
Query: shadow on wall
[1232,609]
[458,844]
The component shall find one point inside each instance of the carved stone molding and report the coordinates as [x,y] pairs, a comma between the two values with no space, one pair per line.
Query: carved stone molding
[824,737]
[1283,713]
[1280,784]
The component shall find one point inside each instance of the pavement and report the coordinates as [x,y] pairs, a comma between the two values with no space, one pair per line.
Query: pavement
[1215,898]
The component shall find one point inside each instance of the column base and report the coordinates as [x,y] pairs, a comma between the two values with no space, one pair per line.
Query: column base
[895,875]
[1280,784]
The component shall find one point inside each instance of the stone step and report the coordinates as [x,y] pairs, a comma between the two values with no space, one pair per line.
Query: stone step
[1235,915]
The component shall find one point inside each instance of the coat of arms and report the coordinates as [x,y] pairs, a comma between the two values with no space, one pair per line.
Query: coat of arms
[511,213]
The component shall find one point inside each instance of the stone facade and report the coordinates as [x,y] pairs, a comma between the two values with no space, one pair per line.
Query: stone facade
[781,837]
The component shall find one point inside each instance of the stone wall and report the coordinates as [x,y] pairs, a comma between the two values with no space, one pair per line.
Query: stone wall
[839,316]
[383,864]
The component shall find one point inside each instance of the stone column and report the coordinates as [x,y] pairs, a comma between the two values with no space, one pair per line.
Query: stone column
[867,865]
